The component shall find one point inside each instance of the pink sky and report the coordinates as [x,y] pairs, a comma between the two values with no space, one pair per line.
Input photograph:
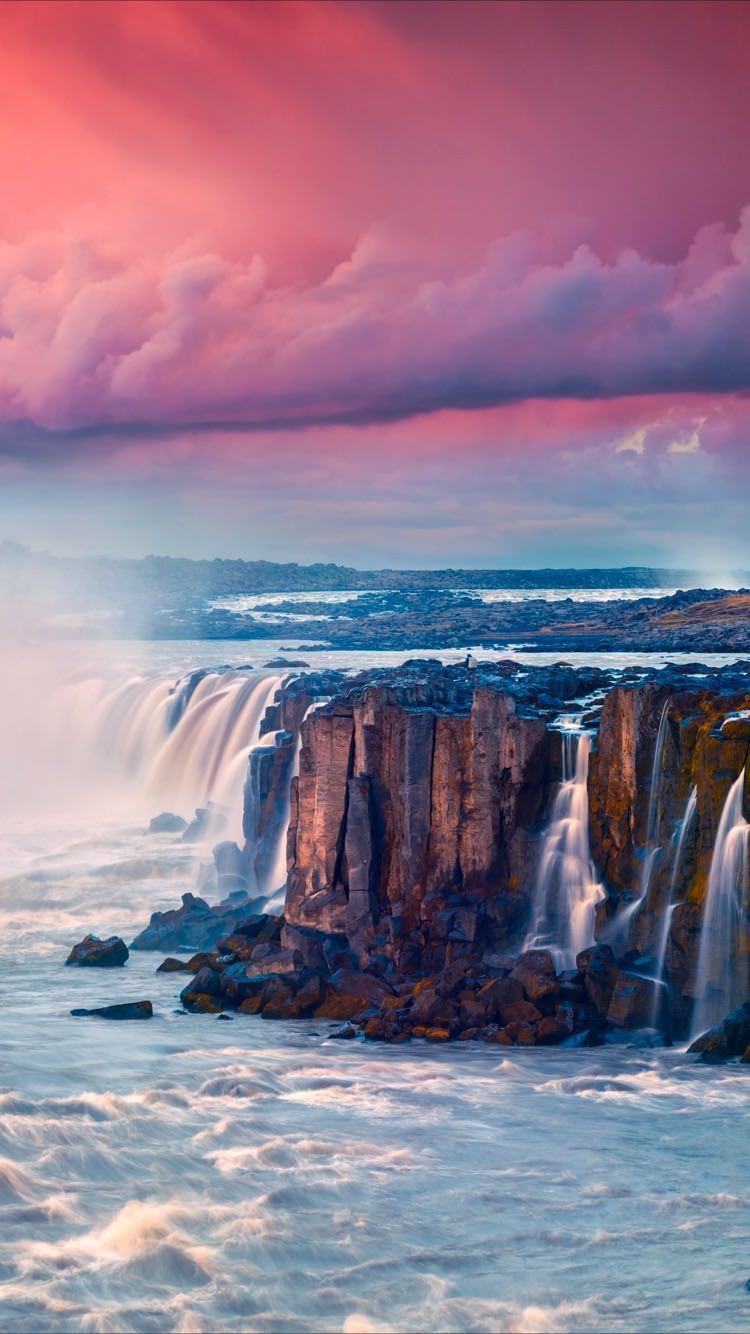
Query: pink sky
[384,243]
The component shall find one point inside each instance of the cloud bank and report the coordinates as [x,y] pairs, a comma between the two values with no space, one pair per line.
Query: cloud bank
[92,337]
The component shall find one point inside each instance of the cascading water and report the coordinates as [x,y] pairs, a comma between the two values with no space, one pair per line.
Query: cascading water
[721,980]
[180,746]
[277,874]
[665,921]
[567,891]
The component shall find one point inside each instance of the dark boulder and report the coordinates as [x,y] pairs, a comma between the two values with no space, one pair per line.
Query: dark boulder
[167,823]
[91,952]
[535,970]
[142,1009]
[194,925]
[728,1039]
[599,970]
[632,1001]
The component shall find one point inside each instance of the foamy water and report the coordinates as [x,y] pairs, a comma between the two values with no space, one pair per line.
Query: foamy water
[194,1174]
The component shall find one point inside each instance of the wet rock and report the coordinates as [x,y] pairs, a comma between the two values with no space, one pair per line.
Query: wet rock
[91,952]
[309,945]
[632,1001]
[523,1035]
[142,1009]
[535,970]
[269,959]
[599,970]
[437,1034]
[207,982]
[167,823]
[551,1031]
[344,1034]
[200,1002]
[501,1037]
[432,1011]
[175,966]
[494,996]
[520,1012]
[194,925]
[349,994]
[728,1039]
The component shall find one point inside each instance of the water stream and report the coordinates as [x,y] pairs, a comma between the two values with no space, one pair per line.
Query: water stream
[722,975]
[567,891]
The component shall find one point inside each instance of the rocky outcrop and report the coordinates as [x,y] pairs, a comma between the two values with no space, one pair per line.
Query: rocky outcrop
[195,925]
[416,816]
[91,952]
[415,827]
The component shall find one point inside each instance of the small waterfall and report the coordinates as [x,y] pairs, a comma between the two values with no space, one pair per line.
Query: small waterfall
[722,977]
[672,901]
[567,891]
[277,876]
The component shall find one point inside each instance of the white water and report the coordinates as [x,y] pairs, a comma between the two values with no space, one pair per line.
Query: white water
[567,891]
[144,741]
[190,1174]
[193,1174]
[722,975]
[667,913]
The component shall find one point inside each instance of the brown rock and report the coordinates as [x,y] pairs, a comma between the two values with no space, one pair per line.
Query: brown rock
[632,1001]
[91,952]
[551,1031]
[597,964]
[522,1034]
[535,971]
[520,1012]
[498,993]
[201,1003]
[437,1034]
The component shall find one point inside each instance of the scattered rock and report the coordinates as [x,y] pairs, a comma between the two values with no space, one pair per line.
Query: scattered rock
[142,1009]
[167,823]
[91,952]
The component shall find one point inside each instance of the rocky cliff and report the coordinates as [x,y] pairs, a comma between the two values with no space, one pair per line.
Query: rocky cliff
[422,801]
[423,824]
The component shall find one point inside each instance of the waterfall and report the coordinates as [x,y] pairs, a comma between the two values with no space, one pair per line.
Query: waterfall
[277,875]
[722,977]
[567,892]
[162,744]
[671,903]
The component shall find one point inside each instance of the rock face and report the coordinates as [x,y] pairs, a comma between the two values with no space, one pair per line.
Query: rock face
[416,816]
[415,827]
[91,952]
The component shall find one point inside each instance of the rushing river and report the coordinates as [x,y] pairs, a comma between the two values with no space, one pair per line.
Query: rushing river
[194,1173]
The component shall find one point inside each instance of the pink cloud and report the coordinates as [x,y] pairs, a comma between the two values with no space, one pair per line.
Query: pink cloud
[92,336]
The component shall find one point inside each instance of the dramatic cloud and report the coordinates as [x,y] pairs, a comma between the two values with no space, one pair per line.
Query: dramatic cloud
[91,338]
[323,278]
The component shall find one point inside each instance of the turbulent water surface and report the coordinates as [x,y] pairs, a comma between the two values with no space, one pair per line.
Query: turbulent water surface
[197,1174]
